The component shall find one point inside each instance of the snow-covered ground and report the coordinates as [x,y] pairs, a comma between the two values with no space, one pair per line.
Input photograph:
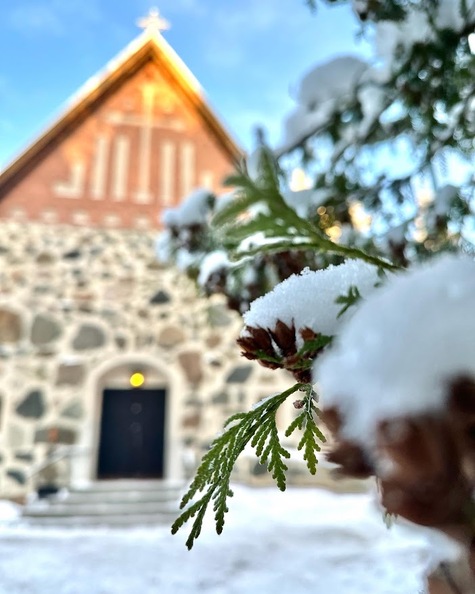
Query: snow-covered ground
[298,542]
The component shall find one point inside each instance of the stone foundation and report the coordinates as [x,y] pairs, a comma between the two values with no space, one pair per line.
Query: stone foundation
[81,308]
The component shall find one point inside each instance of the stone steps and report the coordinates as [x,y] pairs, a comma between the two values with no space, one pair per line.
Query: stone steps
[112,503]
[94,521]
[112,497]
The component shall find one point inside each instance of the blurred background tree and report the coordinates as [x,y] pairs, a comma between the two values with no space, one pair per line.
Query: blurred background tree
[377,156]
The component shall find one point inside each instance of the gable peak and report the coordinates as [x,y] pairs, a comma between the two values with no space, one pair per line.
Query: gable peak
[153,23]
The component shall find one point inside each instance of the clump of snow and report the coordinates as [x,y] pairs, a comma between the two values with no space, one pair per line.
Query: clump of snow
[329,86]
[224,200]
[194,210]
[372,99]
[211,263]
[163,246]
[394,238]
[444,199]
[450,14]
[256,160]
[9,512]
[302,122]
[404,344]
[304,202]
[259,239]
[320,91]
[185,259]
[360,7]
[397,235]
[391,37]
[308,299]
[329,81]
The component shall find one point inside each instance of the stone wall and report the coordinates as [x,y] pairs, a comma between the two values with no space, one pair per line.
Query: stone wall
[75,301]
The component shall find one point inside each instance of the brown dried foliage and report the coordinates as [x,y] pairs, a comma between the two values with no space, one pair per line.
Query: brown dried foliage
[276,348]
[425,463]
[425,466]
[350,457]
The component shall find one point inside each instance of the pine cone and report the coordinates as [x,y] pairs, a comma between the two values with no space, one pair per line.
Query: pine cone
[425,466]
[258,342]
[277,349]
[438,505]
[461,418]
[419,467]
[419,450]
[332,419]
[351,459]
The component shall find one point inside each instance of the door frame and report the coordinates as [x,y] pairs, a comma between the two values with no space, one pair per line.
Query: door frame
[115,373]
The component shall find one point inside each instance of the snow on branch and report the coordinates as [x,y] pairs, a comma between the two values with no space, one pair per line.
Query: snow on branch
[403,346]
[397,389]
[292,324]
[308,300]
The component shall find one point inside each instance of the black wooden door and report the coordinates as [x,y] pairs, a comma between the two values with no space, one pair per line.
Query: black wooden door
[132,434]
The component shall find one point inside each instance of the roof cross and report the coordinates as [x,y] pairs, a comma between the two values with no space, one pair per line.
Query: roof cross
[153,22]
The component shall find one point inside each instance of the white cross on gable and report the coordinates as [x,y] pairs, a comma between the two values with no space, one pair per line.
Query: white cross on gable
[153,22]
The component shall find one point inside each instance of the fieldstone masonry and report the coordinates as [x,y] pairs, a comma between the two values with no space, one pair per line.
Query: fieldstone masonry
[73,300]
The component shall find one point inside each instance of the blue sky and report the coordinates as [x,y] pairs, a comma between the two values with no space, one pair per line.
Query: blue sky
[247,54]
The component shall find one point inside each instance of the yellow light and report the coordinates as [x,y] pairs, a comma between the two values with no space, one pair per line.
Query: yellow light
[137,379]
[359,217]
[334,232]
[299,180]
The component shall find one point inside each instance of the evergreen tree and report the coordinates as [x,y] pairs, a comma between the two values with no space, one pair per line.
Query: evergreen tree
[385,147]
[389,141]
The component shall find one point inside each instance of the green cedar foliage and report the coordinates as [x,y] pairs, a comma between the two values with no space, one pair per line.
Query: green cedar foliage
[352,297]
[424,119]
[258,428]
[279,224]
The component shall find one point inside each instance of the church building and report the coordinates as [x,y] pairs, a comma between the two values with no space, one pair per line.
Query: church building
[111,366]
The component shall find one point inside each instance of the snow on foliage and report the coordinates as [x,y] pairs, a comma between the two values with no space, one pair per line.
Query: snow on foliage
[9,511]
[176,242]
[308,300]
[444,199]
[319,93]
[224,200]
[302,121]
[328,87]
[305,202]
[392,37]
[212,263]
[163,246]
[405,343]
[194,210]
[333,80]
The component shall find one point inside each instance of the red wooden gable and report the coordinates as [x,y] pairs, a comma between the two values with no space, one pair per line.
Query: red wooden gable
[137,140]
